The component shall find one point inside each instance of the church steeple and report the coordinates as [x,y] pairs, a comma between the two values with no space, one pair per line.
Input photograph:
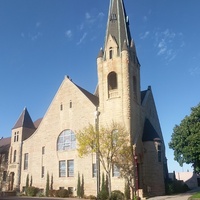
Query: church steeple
[118,24]
[24,120]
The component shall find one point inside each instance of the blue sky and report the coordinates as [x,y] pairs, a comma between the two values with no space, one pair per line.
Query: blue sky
[41,41]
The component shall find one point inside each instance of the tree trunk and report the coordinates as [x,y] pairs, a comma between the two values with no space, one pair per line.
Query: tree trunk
[109,183]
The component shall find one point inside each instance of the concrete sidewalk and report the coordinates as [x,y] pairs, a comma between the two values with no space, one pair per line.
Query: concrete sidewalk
[183,196]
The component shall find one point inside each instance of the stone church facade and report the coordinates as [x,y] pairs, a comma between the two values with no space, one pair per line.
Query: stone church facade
[49,144]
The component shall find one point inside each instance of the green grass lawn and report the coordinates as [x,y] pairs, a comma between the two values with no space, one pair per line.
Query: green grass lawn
[196,195]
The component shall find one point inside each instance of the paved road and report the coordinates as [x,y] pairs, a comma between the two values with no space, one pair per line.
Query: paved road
[35,198]
[183,196]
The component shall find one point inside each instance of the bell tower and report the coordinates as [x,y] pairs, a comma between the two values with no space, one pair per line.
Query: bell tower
[22,130]
[119,73]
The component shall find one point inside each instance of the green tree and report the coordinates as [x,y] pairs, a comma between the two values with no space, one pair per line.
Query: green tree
[27,184]
[51,182]
[108,142]
[82,187]
[79,186]
[47,185]
[127,191]
[185,140]
[103,194]
[31,181]
[126,164]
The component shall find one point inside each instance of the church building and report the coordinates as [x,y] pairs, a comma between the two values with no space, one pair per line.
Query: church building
[49,145]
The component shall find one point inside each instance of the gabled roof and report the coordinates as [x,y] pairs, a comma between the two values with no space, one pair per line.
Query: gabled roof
[118,24]
[149,132]
[24,120]
[143,94]
[94,99]
[37,122]
[4,144]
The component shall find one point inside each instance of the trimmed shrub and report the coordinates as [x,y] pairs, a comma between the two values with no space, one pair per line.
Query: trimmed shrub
[92,197]
[52,193]
[102,195]
[116,195]
[63,193]
[32,191]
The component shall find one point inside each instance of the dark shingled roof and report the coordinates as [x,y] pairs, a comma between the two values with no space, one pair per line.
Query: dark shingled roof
[94,99]
[37,122]
[149,133]
[118,24]
[143,94]
[4,145]
[24,120]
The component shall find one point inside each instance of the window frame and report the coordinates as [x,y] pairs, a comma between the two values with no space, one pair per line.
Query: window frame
[62,168]
[43,150]
[66,141]
[25,161]
[115,171]
[94,170]
[15,156]
[112,81]
[70,168]
[42,172]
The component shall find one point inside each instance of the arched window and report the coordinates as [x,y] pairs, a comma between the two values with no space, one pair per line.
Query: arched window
[66,140]
[135,87]
[110,53]
[115,137]
[14,156]
[112,85]
[112,81]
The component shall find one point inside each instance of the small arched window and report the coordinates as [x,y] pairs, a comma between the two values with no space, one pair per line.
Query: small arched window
[110,53]
[66,140]
[14,156]
[112,81]
[135,87]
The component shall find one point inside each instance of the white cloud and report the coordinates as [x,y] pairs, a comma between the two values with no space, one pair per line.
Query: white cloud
[38,24]
[22,35]
[194,70]
[168,43]
[101,15]
[144,35]
[145,18]
[36,36]
[82,38]
[68,34]
[81,27]
[87,15]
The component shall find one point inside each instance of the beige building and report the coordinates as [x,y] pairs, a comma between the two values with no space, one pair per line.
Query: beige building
[49,144]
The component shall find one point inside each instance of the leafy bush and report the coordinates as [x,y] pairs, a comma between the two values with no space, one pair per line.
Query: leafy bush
[174,187]
[63,193]
[32,191]
[52,193]
[102,195]
[92,197]
[116,195]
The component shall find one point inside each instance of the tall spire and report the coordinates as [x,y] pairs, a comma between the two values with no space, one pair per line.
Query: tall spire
[118,24]
[24,120]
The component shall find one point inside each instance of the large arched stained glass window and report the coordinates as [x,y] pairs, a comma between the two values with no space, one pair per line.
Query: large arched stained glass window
[66,140]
